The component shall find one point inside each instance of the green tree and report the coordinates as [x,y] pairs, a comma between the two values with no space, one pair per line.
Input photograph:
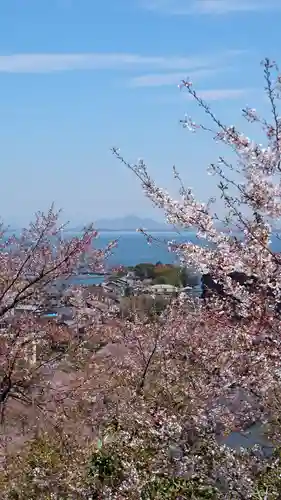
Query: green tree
[145,270]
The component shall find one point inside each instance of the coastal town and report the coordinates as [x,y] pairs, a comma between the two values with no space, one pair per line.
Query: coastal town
[121,293]
[140,288]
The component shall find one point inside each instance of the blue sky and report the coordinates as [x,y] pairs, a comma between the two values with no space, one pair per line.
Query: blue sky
[78,77]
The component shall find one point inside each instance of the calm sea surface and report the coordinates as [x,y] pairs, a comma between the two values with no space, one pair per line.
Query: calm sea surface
[133,248]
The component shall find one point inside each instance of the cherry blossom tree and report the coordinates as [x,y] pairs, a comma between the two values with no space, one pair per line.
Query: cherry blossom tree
[251,192]
[33,349]
[231,366]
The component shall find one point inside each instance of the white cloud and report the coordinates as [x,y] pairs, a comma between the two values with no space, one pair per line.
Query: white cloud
[184,7]
[46,63]
[166,79]
[221,94]
[40,63]
[169,70]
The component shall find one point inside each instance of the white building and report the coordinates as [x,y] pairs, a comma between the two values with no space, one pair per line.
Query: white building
[163,289]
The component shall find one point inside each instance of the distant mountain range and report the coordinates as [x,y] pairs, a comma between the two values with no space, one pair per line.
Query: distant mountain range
[131,223]
[128,223]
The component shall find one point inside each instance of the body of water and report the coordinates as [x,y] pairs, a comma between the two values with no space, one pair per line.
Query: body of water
[133,249]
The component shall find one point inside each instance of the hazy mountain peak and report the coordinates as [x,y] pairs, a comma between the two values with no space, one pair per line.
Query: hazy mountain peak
[130,223]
